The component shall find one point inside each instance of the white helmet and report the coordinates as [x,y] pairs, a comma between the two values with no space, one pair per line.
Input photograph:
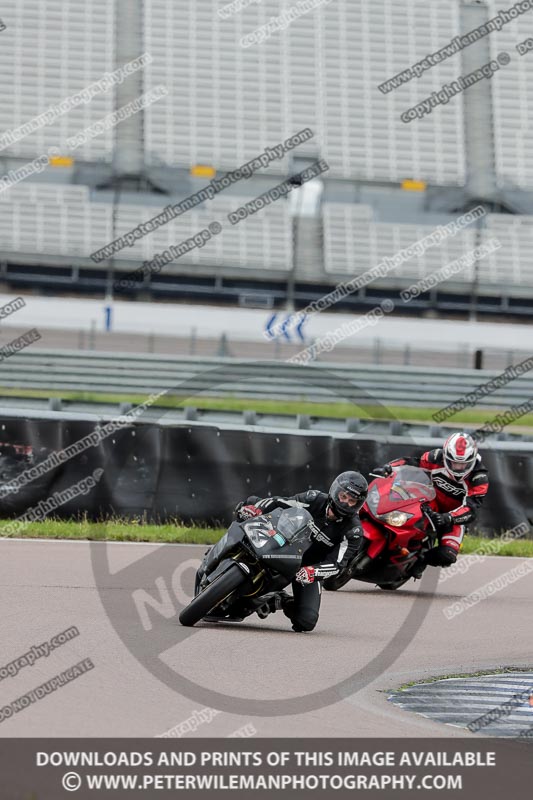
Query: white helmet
[460,453]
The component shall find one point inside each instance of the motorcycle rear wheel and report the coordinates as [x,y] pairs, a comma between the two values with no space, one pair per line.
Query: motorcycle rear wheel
[212,596]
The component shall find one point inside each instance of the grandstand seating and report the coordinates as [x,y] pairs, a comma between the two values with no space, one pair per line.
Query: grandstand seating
[354,242]
[50,50]
[49,218]
[227,102]
[62,220]
[264,240]
[512,264]
[512,91]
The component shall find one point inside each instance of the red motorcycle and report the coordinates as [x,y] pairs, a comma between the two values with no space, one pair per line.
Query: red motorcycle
[397,527]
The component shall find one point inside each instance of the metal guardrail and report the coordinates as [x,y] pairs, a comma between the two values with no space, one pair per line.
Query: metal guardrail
[117,373]
[399,434]
[249,419]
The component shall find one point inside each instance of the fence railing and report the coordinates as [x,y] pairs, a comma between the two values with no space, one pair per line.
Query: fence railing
[126,374]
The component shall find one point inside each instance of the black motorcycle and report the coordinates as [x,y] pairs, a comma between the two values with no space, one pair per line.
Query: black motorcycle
[253,558]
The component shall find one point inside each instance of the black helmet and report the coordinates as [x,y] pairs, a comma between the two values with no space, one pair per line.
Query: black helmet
[346,488]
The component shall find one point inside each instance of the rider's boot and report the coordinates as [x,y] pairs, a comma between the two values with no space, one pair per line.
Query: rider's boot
[272,602]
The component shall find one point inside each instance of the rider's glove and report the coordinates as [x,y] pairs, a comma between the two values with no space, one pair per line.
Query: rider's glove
[443,522]
[441,556]
[242,512]
[305,575]
[384,471]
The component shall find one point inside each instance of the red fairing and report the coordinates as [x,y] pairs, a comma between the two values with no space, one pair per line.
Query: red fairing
[397,493]
[391,499]
[374,533]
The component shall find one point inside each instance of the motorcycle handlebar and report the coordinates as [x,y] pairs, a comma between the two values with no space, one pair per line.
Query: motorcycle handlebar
[425,509]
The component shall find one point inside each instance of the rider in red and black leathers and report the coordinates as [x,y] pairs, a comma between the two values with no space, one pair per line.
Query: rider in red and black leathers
[337,538]
[457,500]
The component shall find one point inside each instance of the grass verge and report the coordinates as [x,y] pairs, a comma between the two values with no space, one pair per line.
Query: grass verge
[339,410]
[118,530]
[521,548]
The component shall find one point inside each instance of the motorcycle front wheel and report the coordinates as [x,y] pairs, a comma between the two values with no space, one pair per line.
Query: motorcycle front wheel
[212,596]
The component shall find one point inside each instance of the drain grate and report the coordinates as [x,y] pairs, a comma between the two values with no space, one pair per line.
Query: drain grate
[461,701]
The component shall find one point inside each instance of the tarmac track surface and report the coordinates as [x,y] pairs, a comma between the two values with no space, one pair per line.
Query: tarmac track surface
[48,586]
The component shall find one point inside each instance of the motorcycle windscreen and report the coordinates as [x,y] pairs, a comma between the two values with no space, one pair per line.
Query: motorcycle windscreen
[282,526]
[293,524]
[407,485]
[282,541]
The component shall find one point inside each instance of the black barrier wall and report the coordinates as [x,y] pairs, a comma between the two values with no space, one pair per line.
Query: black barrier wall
[198,473]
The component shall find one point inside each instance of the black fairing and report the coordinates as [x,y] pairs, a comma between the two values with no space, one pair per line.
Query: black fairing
[258,541]
[230,542]
[268,549]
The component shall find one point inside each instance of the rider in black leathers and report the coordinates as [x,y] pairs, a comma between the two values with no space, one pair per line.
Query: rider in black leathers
[334,544]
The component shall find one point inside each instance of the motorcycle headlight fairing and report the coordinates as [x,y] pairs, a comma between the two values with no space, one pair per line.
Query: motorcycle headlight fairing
[396,518]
